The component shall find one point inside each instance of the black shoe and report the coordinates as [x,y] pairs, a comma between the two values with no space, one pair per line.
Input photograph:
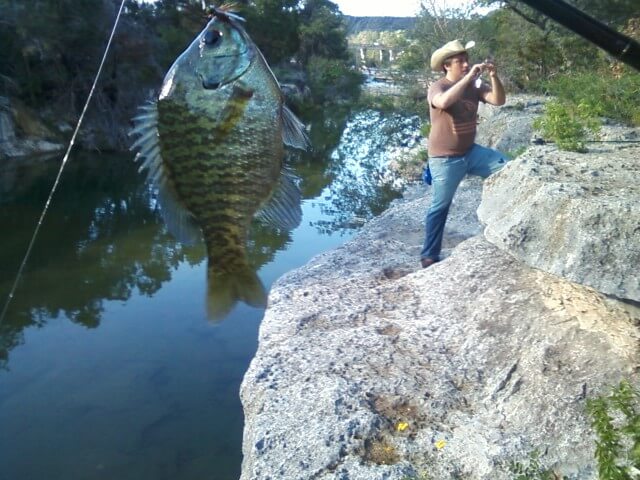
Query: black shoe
[427,262]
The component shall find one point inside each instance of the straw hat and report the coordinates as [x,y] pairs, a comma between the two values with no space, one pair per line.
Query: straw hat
[448,50]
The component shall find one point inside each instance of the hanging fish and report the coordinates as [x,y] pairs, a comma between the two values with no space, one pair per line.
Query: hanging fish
[213,144]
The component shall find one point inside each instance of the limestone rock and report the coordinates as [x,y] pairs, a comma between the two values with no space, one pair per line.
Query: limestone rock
[367,365]
[370,368]
[22,133]
[570,214]
[509,128]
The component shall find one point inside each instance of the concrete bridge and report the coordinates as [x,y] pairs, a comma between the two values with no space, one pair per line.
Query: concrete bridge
[379,54]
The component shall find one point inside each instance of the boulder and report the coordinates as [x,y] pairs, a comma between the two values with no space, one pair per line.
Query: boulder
[571,214]
[509,128]
[22,133]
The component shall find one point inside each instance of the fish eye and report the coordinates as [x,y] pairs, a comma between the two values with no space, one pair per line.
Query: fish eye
[211,37]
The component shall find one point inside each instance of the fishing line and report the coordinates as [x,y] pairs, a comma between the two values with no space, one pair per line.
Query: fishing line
[62,165]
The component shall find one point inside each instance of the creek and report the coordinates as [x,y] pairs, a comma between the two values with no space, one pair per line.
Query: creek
[109,367]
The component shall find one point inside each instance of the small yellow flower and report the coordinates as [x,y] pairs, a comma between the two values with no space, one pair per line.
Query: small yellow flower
[402,426]
[440,444]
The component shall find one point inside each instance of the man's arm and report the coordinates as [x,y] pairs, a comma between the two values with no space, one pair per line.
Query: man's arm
[496,95]
[445,99]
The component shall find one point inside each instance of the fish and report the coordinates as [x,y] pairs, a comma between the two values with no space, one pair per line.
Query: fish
[214,144]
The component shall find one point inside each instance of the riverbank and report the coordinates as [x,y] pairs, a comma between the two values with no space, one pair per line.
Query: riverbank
[369,367]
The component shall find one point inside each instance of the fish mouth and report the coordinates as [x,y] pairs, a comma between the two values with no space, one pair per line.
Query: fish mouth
[209,85]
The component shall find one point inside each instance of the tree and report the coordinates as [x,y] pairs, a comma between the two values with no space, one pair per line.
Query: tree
[273,26]
[322,31]
[614,13]
[436,25]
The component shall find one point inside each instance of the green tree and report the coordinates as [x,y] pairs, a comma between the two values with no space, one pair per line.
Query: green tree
[436,25]
[330,79]
[534,47]
[322,31]
[273,26]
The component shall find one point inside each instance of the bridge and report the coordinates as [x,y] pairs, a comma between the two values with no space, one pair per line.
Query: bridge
[374,53]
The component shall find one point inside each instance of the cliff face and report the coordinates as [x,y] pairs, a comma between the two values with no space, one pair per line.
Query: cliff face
[372,368]
[22,133]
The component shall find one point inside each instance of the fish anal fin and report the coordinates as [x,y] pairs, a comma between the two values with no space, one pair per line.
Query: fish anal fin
[234,109]
[283,210]
[293,130]
[179,221]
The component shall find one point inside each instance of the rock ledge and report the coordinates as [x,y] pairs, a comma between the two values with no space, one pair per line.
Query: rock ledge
[371,368]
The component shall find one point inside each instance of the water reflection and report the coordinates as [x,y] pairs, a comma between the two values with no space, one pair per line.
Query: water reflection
[102,240]
[103,237]
[153,392]
[361,183]
[90,247]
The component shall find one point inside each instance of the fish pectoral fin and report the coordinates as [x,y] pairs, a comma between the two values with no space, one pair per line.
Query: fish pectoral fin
[224,290]
[177,218]
[293,130]
[283,210]
[233,111]
[147,144]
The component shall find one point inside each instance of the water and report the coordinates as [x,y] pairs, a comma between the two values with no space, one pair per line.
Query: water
[109,367]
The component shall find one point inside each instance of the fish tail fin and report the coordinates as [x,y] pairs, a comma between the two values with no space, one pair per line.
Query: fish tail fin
[224,289]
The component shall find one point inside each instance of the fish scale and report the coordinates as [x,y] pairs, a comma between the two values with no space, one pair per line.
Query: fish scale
[212,173]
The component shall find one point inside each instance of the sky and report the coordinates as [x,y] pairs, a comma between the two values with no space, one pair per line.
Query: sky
[388,8]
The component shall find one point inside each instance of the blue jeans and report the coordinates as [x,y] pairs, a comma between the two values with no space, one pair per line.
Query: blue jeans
[447,173]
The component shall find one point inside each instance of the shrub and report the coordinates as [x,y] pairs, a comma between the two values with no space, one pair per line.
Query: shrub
[381,103]
[531,469]
[606,96]
[331,79]
[616,420]
[567,124]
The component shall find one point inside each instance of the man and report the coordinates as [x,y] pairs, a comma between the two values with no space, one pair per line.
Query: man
[453,107]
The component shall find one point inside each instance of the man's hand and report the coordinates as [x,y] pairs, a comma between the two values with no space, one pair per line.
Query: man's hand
[491,68]
[475,72]
[497,95]
[479,68]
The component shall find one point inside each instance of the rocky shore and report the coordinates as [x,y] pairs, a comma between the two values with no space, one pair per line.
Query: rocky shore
[369,367]
[22,133]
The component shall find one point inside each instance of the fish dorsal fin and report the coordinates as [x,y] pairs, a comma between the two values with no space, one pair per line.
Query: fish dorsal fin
[147,143]
[283,210]
[178,220]
[293,132]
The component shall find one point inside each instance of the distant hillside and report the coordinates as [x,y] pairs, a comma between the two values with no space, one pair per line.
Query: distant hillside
[378,24]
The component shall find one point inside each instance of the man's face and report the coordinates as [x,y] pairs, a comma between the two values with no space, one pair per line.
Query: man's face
[458,65]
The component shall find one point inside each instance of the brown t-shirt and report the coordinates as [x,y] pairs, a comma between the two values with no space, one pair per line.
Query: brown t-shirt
[453,130]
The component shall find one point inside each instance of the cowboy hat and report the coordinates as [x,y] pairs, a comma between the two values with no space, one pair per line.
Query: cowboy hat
[448,50]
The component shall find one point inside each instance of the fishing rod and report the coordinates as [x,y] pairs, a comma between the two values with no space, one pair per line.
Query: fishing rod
[62,165]
[611,41]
